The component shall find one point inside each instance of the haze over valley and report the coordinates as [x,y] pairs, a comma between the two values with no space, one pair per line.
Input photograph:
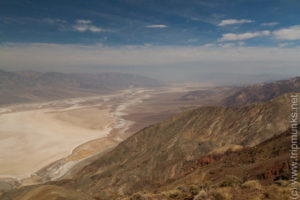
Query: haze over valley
[91,124]
[149,100]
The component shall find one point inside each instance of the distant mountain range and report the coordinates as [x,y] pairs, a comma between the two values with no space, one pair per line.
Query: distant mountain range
[211,147]
[30,86]
[216,153]
[240,96]
[262,92]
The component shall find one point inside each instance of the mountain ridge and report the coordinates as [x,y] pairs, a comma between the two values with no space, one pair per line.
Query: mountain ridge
[262,92]
[131,175]
[148,158]
[32,86]
[160,154]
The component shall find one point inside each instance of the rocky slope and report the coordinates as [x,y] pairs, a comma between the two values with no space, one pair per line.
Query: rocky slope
[157,154]
[262,92]
[29,86]
[169,151]
[259,172]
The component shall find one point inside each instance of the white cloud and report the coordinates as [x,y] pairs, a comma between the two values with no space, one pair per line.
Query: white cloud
[95,29]
[83,21]
[282,45]
[209,45]
[269,24]
[226,22]
[243,36]
[30,20]
[241,43]
[192,40]
[157,26]
[227,45]
[86,25]
[147,45]
[291,33]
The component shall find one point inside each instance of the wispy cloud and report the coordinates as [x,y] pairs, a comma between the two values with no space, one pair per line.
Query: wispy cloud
[243,36]
[269,24]
[226,22]
[156,26]
[83,25]
[282,45]
[291,33]
[27,20]
[192,40]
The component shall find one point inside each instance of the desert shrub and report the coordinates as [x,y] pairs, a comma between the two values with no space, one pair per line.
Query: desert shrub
[253,184]
[173,194]
[205,186]
[276,192]
[224,193]
[177,194]
[282,183]
[230,181]
[194,190]
[202,195]
[181,188]
[216,195]
[137,196]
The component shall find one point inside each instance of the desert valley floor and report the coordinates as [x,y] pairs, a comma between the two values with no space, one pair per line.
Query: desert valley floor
[47,139]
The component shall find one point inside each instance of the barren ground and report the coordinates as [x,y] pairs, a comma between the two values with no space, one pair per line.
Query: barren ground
[33,136]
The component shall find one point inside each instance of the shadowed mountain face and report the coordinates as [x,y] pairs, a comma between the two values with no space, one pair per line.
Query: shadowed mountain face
[262,92]
[259,172]
[28,86]
[158,156]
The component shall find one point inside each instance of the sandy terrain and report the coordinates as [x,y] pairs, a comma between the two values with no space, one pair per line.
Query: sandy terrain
[35,135]
[33,139]
[44,141]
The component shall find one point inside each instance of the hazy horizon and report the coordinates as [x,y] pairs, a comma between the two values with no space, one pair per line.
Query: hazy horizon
[174,41]
[149,99]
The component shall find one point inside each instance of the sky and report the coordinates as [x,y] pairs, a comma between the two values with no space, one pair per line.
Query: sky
[166,39]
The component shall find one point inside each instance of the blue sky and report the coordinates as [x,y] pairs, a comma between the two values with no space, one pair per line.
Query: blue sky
[179,29]
[138,22]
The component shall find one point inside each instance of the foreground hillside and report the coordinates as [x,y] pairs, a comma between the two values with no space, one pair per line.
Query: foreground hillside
[262,92]
[156,158]
[259,172]
[29,86]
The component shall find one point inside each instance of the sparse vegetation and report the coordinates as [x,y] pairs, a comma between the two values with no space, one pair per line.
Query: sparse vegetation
[137,196]
[252,184]
[230,181]
[202,195]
